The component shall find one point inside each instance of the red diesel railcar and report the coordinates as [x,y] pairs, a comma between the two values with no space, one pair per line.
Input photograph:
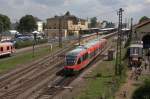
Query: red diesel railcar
[81,56]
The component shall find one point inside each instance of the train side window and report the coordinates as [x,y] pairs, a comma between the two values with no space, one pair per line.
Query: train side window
[92,54]
[86,56]
[79,61]
[7,47]
[1,48]
[96,51]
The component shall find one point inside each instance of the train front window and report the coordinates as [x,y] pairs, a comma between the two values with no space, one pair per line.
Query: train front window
[135,50]
[70,60]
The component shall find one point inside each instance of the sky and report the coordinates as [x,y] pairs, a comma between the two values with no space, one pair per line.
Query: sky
[102,9]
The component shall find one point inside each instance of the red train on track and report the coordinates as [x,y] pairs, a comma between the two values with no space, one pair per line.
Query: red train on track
[81,56]
[6,48]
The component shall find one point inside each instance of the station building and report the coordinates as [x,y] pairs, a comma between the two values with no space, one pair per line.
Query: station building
[68,25]
[142,33]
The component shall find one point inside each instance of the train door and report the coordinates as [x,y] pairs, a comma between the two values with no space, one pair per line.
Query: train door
[1,50]
[8,48]
[79,60]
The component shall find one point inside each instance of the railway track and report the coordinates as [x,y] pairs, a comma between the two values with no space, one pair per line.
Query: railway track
[27,75]
[26,68]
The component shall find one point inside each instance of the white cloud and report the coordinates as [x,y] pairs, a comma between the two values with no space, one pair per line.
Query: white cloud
[147,1]
[134,8]
[103,9]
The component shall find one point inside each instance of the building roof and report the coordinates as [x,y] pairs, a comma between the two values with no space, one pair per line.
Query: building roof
[68,16]
[142,24]
[106,29]
[136,45]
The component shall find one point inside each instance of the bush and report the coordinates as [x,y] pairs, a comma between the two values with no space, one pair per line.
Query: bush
[22,44]
[142,92]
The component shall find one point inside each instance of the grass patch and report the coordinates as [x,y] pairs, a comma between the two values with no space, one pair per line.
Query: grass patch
[25,58]
[99,86]
[104,85]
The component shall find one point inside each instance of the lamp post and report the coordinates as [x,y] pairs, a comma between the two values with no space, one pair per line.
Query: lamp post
[79,36]
[60,32]
[34,41]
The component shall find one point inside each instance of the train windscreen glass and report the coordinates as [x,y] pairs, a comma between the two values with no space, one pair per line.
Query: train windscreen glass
[70,60]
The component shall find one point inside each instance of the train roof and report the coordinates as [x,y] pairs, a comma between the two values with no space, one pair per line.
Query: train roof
[76,51]
[5,43]
[106,29]
[91,43]
[136,45]
[83,48]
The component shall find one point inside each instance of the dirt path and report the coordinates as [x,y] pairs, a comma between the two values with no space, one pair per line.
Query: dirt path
[129,86]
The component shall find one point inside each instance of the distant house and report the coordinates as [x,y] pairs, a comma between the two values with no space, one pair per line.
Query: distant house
[9,34]
[39,23]
[39,26]
[13,32]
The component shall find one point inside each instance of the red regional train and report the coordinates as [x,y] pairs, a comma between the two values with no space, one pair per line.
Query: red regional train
[81,56]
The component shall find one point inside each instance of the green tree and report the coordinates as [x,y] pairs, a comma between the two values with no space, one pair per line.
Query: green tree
[93,22]
[108,24]
[143,19]
[4,23]
[27,24]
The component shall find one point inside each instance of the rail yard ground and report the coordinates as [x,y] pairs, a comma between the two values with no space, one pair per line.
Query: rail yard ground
[29,78]
[95,82]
